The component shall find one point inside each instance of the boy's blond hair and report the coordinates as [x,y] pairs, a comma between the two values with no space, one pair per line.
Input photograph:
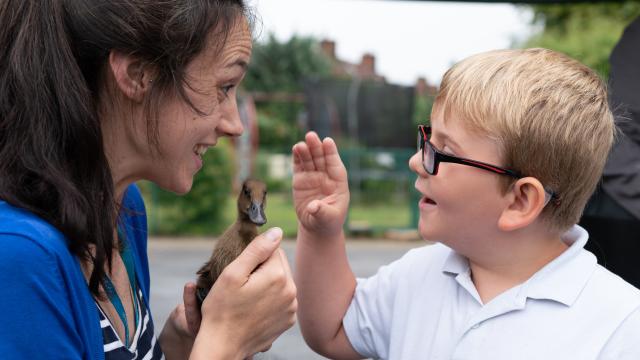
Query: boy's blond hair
[548,113]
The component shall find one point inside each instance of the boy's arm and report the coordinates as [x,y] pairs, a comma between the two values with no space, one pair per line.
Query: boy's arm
[325,285]
[323,276]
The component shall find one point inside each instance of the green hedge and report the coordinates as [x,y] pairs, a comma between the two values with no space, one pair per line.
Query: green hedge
[201,211]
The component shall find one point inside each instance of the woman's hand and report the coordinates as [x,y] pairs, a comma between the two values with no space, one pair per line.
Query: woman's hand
[320,187]
[180,330]
[250,305]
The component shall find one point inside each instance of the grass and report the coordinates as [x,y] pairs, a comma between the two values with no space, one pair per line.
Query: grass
[377,217]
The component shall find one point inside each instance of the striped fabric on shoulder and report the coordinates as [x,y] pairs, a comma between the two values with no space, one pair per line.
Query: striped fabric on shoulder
[144,345]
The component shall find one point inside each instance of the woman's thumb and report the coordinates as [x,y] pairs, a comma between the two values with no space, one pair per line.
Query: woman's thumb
[258,250]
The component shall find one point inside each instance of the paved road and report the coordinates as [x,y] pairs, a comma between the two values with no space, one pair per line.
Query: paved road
[173,263]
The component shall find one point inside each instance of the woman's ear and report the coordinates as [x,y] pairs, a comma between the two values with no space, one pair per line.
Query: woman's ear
[130,75]
[526,201]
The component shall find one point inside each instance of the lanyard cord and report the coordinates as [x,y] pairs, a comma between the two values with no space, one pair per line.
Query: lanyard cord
[127,258]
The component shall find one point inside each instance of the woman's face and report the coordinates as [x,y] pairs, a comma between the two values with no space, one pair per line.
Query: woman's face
[184,135]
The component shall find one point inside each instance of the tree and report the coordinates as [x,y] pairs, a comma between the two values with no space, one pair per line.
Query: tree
[201,211]
[422,109]
[586,32]
[279,67]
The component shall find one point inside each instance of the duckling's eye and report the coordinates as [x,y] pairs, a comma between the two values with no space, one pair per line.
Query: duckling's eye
[246,192]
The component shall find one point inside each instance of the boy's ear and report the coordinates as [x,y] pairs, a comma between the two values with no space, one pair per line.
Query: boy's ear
[131,76]
[526,201]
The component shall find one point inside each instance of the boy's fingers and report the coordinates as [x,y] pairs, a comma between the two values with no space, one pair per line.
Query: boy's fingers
[333,162]
[258,250]
[317,152]
[191,311]
[297,160]
[305,157]
[312,137]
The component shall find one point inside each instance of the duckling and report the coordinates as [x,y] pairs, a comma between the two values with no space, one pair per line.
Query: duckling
[251,203]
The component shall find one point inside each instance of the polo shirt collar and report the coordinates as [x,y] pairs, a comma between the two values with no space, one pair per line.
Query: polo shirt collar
[564,278]
[455,264]
[561,280]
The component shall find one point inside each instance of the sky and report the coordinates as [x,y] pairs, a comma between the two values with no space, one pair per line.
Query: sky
[408,38]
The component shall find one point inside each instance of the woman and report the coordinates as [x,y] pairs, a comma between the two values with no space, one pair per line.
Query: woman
[95,95]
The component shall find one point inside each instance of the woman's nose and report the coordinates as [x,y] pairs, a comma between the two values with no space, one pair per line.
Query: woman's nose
[231,124]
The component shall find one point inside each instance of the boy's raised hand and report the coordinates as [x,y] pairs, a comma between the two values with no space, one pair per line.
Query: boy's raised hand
[320,187]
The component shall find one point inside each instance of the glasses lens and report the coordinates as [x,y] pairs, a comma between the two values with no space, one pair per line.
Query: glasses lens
[428,157]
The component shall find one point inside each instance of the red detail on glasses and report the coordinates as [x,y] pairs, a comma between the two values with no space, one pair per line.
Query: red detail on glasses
[492,168]
[425,133]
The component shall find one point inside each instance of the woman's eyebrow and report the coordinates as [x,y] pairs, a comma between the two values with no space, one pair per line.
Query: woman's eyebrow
[238,62]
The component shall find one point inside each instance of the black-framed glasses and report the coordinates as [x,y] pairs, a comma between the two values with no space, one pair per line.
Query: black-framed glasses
[432,157]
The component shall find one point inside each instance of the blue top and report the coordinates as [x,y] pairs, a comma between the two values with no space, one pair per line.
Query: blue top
[47,309]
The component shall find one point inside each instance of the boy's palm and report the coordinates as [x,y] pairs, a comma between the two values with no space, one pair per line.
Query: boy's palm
[320,188]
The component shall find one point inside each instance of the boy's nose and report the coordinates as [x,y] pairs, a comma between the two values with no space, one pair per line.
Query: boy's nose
[415,164]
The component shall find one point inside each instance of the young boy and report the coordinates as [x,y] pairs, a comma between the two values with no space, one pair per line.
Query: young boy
[517,142]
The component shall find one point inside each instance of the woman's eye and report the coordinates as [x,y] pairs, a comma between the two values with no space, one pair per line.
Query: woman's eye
[226,89]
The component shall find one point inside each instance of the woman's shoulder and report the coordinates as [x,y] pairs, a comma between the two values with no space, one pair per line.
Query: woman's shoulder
[33,251]
[17,223]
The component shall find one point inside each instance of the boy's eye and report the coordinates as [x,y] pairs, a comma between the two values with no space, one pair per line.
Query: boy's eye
[447,150]
[439,147]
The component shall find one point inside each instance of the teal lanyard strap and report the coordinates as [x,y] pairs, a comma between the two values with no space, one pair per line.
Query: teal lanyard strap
[127,258]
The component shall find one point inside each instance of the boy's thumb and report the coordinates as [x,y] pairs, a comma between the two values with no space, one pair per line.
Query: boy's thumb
[319,210]
[258,250]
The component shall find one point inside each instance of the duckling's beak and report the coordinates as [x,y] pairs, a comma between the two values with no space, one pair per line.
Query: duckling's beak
[256,214]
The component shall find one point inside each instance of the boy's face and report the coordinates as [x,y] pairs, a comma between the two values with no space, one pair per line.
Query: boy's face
[460,203]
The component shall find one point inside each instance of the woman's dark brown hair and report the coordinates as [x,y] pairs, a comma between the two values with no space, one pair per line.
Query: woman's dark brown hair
[53,56]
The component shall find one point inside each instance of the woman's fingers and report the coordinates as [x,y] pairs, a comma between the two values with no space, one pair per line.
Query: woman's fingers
[191,311]
[254,299]
[287,269]
[258,251]
[291,286]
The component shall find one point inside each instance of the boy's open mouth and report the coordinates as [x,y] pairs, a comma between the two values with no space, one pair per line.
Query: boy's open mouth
[428,200]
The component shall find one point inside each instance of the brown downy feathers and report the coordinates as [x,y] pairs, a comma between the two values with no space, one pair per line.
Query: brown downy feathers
[251,203]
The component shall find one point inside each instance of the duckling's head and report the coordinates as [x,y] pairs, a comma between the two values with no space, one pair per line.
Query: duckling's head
[252,201]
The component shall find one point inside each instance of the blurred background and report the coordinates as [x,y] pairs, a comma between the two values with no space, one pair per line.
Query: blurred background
[365,73]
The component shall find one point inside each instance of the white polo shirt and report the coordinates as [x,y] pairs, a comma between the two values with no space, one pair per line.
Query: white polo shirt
[425,306]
